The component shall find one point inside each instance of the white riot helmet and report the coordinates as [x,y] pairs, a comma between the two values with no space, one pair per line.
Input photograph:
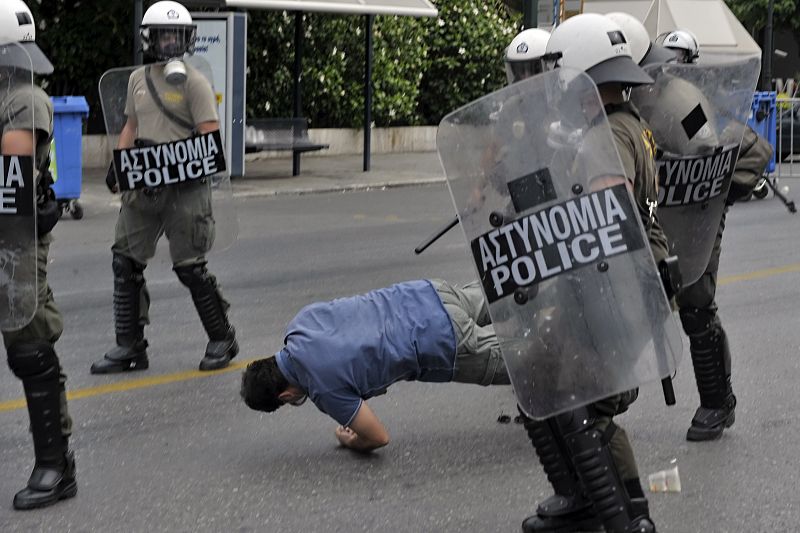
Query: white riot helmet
[525,54]
[17,26]
[683,42]
[596,45]
[167,31]
[643,50]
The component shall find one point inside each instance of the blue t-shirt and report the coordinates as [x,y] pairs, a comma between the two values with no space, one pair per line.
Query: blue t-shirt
[350,349]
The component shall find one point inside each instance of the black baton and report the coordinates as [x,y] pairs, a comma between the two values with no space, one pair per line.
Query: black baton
[669,392]
[436,236]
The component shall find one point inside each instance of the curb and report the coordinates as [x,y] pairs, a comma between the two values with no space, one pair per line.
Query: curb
[349,187]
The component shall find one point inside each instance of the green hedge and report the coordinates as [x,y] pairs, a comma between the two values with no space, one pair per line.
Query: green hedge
[422,68]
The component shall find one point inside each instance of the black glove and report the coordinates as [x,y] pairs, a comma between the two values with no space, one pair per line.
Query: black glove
[47,212]
[670,275]
[737,192]
[111,179]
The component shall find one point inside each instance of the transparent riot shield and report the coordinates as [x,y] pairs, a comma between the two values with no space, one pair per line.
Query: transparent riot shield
[18,239]
[572,287]
[180,189]
[697,114]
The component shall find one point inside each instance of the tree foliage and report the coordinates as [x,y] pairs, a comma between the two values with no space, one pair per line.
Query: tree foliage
[753,13]
[422,68]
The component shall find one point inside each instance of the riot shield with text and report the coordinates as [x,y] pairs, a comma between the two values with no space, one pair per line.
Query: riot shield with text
[18,239]
[570,281]
[180,189]
[697,114]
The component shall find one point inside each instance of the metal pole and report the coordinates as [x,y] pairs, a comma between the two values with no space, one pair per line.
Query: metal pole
[368,19]
[766,79]
[297,71]
[138,10]
[530,13]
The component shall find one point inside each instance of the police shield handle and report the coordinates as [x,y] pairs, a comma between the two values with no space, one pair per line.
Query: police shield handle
[170,163]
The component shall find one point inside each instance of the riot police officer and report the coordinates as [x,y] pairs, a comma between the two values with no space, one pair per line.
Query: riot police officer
[167,100]
[708,342]
[587,457]
[525,54]
[27,126]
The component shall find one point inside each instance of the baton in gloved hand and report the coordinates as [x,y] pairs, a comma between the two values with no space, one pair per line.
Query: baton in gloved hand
[669,392]
[436,236]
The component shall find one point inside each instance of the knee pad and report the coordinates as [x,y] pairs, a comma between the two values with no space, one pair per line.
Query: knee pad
[126,269]
[195,276]
[577,420]
[697,321]
[33,359]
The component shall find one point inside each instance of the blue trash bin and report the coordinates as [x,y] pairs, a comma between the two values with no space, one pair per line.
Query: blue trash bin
[66,151]
[762,119]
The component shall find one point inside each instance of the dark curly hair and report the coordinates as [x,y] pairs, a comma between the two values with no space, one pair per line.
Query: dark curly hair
[262,382]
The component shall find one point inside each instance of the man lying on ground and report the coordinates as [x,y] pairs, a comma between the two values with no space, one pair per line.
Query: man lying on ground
[343,352]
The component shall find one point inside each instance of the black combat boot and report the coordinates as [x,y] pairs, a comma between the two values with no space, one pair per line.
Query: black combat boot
[130,353]
[212,308]
[711,358]
[53,476]
[568,510]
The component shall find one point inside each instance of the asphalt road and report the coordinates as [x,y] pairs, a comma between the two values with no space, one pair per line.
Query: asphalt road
[187,455]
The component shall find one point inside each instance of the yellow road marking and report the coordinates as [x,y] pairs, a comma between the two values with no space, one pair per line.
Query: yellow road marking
[132,384]
[143,383]
[767,272]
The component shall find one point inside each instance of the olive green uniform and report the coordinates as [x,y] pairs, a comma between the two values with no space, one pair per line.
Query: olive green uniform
[46,324]
[636,147]
[183,213]
[708,345]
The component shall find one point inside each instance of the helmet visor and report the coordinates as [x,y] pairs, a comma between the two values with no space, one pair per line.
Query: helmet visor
[520,70]
[25,55]
[167,42]
[619,69]
[657,55]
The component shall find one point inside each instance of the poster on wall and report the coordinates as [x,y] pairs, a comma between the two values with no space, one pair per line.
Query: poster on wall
[210,58]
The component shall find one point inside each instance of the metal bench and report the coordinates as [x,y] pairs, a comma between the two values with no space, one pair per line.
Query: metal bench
[277,134]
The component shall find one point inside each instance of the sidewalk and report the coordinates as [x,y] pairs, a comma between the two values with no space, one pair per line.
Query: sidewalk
[318,174]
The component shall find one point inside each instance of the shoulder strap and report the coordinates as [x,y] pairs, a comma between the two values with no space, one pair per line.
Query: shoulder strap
[169,114]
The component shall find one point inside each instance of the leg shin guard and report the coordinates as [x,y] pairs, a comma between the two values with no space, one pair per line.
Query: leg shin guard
[222,345]
[53,476]
[598,474]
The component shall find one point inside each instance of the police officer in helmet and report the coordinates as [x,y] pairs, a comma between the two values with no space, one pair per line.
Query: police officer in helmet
[525,55]
[708,341]
[167,100]
[683,43]
[587,457]
[26,129]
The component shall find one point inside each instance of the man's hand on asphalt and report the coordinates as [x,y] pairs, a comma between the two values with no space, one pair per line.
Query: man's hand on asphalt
[346,436]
